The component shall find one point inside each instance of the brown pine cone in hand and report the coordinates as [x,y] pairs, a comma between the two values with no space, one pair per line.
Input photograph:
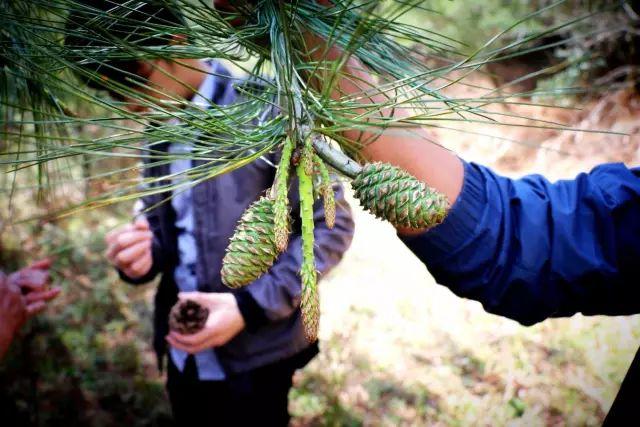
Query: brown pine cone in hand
[187,317]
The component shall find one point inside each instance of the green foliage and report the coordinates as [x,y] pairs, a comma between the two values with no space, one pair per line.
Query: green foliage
[591,37]
[487,18]
[270,49]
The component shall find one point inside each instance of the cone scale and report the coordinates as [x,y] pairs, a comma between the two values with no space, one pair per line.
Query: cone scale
[252,249]
[391,193]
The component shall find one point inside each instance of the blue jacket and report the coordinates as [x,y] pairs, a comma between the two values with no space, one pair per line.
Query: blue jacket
[270,305]
[529,249]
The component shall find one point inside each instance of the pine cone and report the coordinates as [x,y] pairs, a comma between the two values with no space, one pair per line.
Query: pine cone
[393,194]
[325,188]
[307,158]
[310,304]
[329,203]
[252,249]
[281,220]
[187,317]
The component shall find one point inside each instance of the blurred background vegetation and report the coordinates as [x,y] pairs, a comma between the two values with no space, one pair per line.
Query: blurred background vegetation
[396,348]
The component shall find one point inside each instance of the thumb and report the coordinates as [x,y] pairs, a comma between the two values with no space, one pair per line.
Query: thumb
[112,236]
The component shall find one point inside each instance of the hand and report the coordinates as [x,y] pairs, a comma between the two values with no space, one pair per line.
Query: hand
[224,322]
[13,312]
[33,282]
[129,248]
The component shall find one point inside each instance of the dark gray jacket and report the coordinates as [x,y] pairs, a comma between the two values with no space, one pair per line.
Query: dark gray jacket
[270,305]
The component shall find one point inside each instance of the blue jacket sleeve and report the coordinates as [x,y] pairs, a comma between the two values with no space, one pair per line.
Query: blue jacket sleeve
[528,249]
[278,291]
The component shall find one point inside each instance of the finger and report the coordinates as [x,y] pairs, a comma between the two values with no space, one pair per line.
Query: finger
[32,280]
[111,252]
[191,340]
[35,308]
[43,264]
[142,265]
[112,235]
[44,296]
[123,242]
[141,224]
[176,344]
[133,253]
[192,295]
[132,237]
[172,342]
[139,270]
[53,293]
[191,349]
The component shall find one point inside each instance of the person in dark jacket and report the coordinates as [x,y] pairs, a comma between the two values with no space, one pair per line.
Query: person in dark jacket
[527,249]
[238,369]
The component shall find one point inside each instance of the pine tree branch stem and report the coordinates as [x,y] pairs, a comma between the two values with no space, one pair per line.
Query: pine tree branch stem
[337,159]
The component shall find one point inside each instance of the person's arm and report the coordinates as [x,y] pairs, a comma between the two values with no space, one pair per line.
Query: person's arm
[13,313]
[528,249]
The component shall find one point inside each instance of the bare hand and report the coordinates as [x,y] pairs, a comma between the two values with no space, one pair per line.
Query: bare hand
[33,283]
[13,312]
[224,322]
[129,248]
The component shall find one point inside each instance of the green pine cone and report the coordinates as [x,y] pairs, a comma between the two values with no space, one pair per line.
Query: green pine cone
[307,157]
[310,303]
[252,249]
[326,190]
[393,194]
[281,221]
